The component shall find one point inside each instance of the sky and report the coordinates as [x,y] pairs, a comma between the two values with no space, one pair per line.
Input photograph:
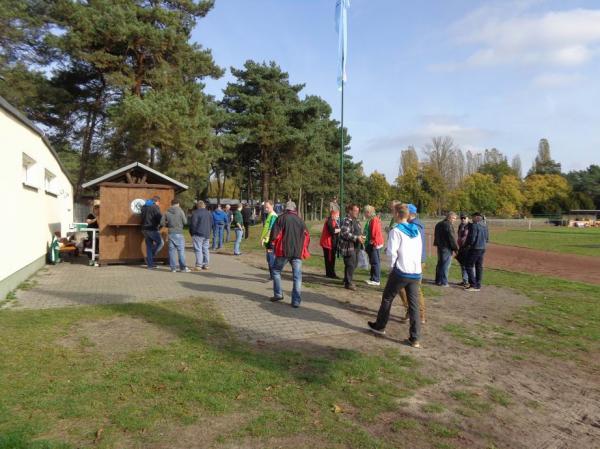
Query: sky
[489,74]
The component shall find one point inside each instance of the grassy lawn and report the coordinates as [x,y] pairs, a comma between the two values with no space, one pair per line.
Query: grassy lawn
[585,241]
[61,388]
[57,396]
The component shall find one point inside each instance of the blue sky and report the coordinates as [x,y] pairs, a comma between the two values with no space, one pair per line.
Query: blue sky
[490,74]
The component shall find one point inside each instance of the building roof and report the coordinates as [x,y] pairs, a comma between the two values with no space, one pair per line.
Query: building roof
[17,115]
[151,176]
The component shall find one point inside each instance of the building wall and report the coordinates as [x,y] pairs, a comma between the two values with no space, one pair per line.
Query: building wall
[30,213]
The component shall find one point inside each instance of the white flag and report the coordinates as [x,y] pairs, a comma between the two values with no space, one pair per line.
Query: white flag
[341,24]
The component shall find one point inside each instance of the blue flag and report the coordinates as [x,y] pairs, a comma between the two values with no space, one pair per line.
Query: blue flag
[341,25]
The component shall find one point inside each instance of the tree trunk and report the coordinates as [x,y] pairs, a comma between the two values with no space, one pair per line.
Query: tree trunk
[265,174]
[321,211]
[86,148]
[299,208]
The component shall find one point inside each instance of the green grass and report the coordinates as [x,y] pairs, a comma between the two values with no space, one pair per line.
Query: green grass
[584,241]
[499,396]
[464,335]
[53,396]
[472,402]
[433,407]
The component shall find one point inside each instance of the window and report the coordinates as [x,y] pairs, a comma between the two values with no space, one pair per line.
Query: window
[29,172]
[50,182]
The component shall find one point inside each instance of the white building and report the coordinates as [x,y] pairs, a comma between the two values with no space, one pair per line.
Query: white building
[37,197]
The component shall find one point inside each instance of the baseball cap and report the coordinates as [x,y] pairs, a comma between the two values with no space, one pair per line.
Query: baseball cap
[412,209]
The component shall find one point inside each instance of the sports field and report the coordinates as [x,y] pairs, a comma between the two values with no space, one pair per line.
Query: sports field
[585,241]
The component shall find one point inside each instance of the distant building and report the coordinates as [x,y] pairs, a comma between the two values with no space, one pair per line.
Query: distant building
[581,218]
[37,197]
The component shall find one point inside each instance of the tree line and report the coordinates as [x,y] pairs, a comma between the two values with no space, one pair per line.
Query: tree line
[446,178]
[112,82]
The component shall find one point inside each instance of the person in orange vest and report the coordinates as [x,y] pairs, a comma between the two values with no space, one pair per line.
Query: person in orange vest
[373,243]
[329,241]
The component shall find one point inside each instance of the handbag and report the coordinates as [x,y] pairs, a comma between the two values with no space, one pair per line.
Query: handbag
[363,259]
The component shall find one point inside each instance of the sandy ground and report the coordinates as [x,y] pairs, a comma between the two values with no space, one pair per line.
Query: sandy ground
[554,403]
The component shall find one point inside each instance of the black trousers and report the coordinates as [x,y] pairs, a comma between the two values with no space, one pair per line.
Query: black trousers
[329,257]
[475,267]
[246,229]
[393,286]
[350,264]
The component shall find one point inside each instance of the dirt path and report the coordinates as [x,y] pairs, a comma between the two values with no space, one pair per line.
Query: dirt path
[526,260]
[551,403]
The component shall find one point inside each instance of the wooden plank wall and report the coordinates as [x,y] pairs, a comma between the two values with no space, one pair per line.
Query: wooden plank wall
[125,243]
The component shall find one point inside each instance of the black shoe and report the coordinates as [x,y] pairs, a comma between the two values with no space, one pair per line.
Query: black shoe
[373,329]
[295,305]
[276,299]
[350,287]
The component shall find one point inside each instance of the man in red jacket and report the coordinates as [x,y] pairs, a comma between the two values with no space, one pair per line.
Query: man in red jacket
[289,239]
[329,239]
[373,243]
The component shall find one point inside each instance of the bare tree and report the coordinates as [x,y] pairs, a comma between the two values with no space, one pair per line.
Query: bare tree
[409,161]
[440,153]
[473,162]
[516,166]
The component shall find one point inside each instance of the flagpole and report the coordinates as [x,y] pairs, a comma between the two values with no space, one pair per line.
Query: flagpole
[342,143]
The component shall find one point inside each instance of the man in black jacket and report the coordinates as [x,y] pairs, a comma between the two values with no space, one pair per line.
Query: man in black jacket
[151,220]
[445,240]
[349,244]
[288,239]
[200,226]
[247,216]
[476,242]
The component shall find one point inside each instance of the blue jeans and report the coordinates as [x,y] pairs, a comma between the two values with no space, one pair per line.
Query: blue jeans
[218,236]
[375,261]
[443,265]
[176,248]
[475,267]
[238,240]
[154,243]
[227,230]
[296,275]
[201,250]
[464,273]
[270,262]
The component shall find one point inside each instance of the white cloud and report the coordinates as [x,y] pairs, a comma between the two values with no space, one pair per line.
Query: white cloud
[432,126]
[554,80]
[506,36]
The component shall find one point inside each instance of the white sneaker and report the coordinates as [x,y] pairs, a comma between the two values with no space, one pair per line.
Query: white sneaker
[370,282]
[186,270]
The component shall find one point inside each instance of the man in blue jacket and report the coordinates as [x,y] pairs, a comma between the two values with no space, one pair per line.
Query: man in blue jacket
[476,242]
[151,221]
[219,220]
[200,227]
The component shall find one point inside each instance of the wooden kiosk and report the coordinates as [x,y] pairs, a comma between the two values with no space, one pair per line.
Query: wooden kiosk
[122,193]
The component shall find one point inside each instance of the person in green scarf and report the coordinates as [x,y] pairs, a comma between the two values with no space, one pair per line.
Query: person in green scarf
[266,233]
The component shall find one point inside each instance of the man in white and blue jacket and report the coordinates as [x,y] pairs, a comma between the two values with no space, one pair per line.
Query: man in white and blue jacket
[404,249]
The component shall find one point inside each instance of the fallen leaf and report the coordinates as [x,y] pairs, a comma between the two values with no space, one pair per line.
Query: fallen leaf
[337,409]
[269,388]
[98,435]
[240,396]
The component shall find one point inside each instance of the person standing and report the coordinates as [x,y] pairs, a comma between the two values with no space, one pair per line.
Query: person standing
[477,242]
[201,224]
[445,241]
[247,216]
[463,249]
[265,235]
[329,242]
[228,221]
[404,249]
[219,219]
[333,205]
[151,220]
[238,228]
[351,239]
[290,240]
[412,218]
[175,220]
[373,243]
